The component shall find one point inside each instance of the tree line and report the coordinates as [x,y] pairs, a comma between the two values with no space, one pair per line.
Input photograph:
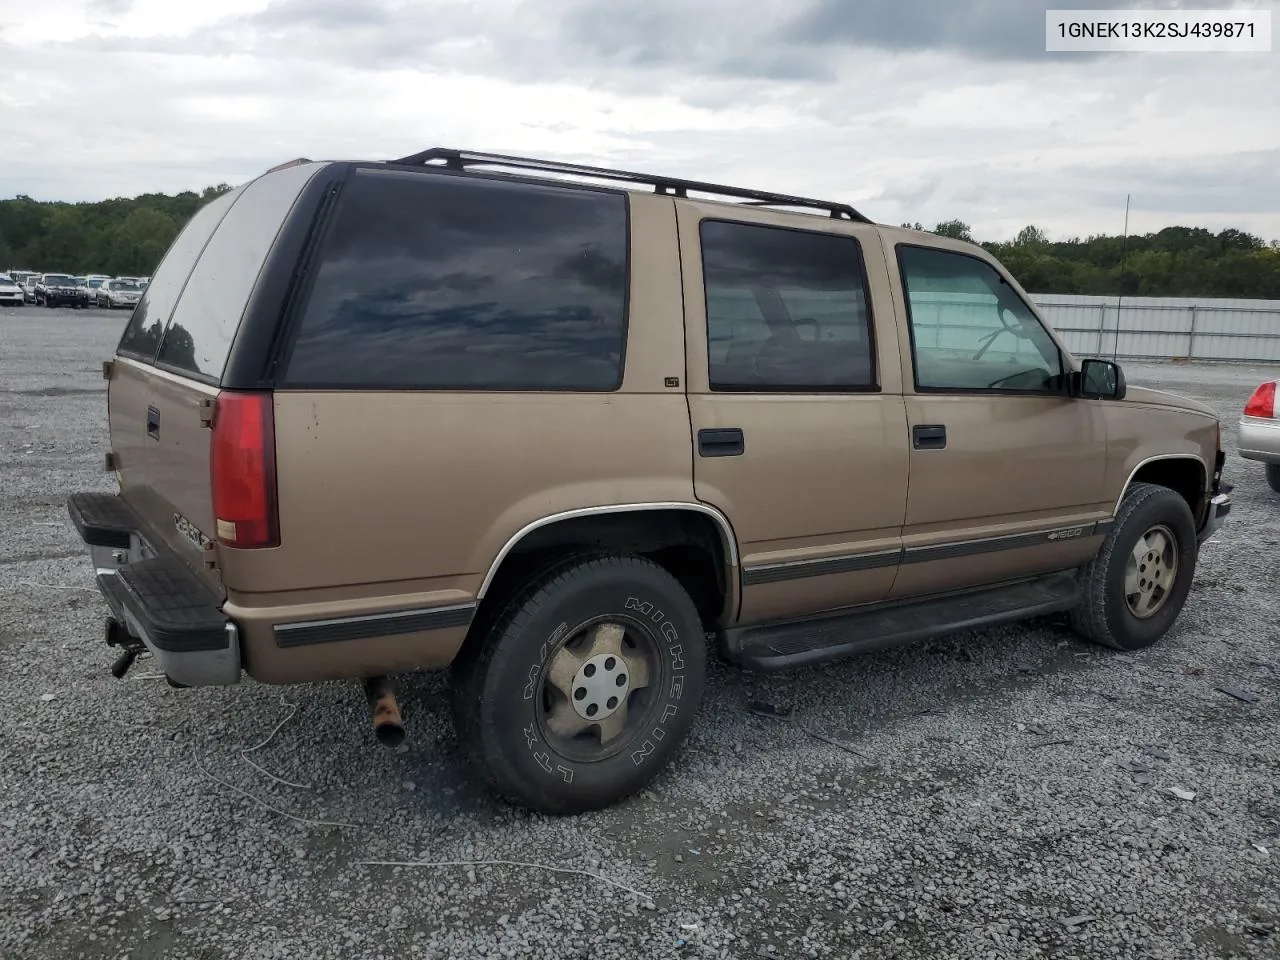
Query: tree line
[128,236]
[1173,262]
[120,237]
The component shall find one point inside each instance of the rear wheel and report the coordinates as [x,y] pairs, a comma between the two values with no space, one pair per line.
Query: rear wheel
[585,685]
[1135,587]
[1273,476]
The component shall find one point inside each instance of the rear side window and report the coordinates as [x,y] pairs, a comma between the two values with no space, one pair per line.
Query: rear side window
[141,336]
[431,281]
[198,338]
[787,310]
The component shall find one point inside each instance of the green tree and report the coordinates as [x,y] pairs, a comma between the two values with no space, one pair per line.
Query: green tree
[956,229]
[1031,236]
[139,242]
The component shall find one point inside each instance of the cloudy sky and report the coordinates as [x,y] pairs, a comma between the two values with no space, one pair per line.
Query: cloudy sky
[916,110]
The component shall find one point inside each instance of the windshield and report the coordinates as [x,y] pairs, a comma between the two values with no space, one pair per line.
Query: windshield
[95,283]
[123,285]
[58,279]
[6,283]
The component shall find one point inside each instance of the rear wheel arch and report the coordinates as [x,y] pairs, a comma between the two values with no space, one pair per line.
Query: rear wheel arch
[693,542]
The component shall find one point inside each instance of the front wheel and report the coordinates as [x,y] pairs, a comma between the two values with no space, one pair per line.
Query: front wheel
[1273,476]
[1134,589]
[585,685]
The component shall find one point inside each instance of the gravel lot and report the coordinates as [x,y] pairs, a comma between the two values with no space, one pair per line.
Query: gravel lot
[1009,795]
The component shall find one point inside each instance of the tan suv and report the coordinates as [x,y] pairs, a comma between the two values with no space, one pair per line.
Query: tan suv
[559,429]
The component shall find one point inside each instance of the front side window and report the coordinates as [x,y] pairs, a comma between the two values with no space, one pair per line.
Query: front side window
[787,310]
[430,281]
[970,330]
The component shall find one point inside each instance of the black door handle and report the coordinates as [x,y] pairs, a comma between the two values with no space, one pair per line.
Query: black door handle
[153,423]
[929,437]
[721,442]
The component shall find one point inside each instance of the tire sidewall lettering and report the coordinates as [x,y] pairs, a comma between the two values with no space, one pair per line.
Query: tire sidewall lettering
[562,770]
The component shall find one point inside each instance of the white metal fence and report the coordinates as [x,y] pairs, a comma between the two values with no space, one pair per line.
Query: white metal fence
[1166,328]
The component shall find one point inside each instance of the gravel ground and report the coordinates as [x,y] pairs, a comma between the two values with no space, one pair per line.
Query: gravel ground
[1010,793]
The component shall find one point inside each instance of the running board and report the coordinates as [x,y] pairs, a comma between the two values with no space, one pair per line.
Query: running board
[778,646]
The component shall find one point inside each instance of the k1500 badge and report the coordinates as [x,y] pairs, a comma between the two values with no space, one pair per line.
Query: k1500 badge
[189,532]
[1069,533]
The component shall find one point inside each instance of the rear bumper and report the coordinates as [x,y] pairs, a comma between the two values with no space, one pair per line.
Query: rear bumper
[1260,439]
[158,598]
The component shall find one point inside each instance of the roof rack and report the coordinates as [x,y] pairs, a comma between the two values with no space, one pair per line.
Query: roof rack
[670,186]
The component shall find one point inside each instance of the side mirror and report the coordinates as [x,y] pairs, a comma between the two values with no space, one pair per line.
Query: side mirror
[1101,380]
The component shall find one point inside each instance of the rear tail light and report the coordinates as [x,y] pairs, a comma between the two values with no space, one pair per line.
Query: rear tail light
[1263,402]
[242,466]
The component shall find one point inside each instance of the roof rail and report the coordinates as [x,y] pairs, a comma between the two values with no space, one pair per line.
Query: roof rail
[288,163]
[670,186]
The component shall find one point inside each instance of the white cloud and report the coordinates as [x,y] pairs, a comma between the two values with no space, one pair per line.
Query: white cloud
[906,119]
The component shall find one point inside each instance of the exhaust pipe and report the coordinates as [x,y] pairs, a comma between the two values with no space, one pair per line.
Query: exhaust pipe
[120,666]
[388,726]
[117,634]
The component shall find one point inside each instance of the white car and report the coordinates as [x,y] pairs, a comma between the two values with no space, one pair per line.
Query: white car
[120,292]
[10,293]
[93,281]
[1260,430]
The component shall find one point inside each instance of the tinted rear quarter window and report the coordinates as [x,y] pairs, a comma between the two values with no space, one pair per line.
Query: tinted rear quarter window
[433,281]
[198,338]
[142,334]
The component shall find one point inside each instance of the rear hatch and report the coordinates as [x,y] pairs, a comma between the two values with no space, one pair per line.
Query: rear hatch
[166,406]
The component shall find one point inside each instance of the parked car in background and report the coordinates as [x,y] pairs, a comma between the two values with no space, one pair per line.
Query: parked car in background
[1260,431]
[29,288]
[120,292]
[11,294]
[82,290]
[58,290]
[93,281]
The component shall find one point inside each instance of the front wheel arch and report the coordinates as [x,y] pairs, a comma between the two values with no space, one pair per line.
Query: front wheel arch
[1184,474]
